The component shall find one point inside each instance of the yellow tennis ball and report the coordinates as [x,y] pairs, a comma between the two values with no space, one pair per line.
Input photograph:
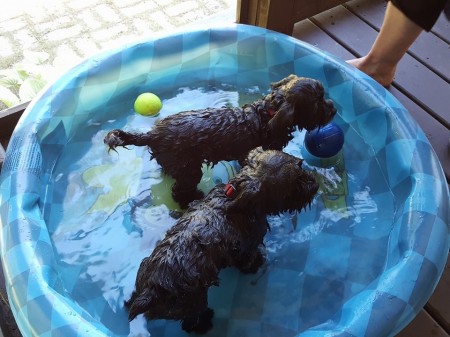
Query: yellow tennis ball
[147,104]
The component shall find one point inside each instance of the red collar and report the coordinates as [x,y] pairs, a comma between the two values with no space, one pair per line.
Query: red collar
[271,112]
[229,190]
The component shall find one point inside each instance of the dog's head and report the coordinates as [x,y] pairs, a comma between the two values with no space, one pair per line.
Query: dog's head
[299,101]
[273,181]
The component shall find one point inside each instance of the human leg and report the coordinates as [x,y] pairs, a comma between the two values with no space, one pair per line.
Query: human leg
[397,34]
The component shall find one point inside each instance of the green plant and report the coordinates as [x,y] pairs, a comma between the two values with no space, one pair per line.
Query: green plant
[24,81]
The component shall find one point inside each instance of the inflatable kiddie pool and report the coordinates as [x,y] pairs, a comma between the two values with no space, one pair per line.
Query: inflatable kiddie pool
[77,220]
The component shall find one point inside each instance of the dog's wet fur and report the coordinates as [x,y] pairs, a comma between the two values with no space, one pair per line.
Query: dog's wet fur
[226,228]
[181,142]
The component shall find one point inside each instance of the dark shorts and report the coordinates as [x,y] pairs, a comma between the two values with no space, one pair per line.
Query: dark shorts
[424,13]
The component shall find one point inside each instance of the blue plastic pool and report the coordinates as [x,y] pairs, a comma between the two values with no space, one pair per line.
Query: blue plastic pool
[77,220]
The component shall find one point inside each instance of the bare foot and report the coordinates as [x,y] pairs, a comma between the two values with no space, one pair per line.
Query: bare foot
[382,73]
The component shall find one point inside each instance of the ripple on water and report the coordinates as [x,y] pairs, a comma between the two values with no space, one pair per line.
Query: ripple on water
[104,220]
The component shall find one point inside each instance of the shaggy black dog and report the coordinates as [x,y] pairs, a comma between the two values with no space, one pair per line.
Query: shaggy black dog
[182,142]
[226,228]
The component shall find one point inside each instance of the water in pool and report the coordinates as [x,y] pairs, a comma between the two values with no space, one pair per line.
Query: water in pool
[110,210]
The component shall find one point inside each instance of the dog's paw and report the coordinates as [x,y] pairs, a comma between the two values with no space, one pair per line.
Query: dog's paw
[185,197]
[200,324]
[113,139]
[175,214]
[251,265]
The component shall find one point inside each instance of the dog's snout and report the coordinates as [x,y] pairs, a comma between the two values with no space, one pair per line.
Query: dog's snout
[330,109]
[311,181]
[330,105]
[315,186]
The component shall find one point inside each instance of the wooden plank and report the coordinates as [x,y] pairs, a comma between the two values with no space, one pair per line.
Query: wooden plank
[276,15]
[351,31]
[370,11]
[305,9]
[8,120]
[436,133]
[442,28]
[423,325]
[373,8]
[308,32]
[280,15]
[253,11]
[246,11]
[438,306]
[242,11]
[428,48]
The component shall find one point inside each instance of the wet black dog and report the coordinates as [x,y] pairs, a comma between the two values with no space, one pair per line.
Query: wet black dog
[226,228]
[182,142]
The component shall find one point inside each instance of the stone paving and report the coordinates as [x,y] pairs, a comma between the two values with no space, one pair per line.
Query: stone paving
[57,34]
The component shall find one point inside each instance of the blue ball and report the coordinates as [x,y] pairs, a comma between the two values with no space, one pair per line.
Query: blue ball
[325,142]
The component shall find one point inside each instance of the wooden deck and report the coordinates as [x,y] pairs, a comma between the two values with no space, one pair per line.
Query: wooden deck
[422,85]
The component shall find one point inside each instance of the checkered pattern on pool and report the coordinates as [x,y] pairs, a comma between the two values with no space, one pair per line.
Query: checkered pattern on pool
[321,285]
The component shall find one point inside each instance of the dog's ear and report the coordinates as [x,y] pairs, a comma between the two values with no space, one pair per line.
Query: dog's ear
[276,85]
[251,156]
[283,120]
[289,98]
[140,305]
[246,194]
